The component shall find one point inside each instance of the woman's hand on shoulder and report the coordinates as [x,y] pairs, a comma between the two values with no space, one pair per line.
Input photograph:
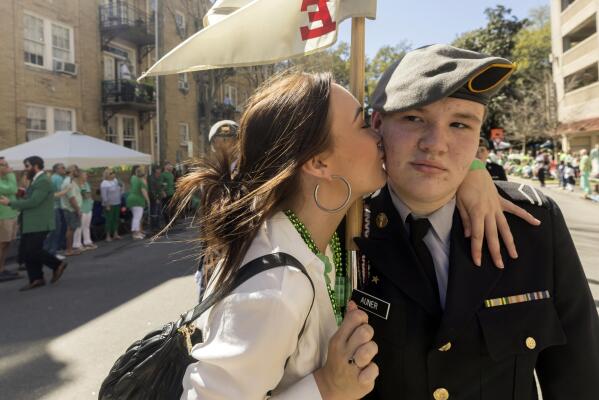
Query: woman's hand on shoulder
[481,210]
[349,372]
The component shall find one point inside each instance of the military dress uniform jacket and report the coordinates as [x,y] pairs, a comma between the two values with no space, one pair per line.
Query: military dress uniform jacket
[497,172]
[498,325]
[38,207]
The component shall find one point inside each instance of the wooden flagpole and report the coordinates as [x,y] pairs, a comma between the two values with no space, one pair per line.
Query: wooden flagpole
[356,82]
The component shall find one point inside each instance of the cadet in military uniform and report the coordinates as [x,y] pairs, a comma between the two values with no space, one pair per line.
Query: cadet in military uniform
[495,170]
[445,328]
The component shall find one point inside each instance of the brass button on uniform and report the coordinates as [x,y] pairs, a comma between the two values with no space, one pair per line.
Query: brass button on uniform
[441,394]
[445,347]
[531,343]
[381,220]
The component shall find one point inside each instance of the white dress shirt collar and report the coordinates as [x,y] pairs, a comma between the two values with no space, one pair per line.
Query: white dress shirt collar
[38,175]
[278,234]
[441,220]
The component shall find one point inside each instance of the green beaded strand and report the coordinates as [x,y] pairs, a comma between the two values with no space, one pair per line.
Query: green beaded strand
[335,247]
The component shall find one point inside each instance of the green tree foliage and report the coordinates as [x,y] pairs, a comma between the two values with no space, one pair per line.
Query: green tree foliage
[534,114]
[497,38]
[533,46]
[334,60]
[383,58]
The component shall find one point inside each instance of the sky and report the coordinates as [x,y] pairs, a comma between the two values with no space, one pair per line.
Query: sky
[423,22]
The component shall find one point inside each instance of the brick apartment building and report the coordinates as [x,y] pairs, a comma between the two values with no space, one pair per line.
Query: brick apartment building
[72,65]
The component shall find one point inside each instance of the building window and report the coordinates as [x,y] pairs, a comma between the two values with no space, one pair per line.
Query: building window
[580,33]
[63,120]
[230,97]
[36,122]
[34,40]
[566,3]
[183,134]
[61,43]
[183,82]
[180,24]
[112,135]
[129,133]
[42,120]
[38,32]
[122,130]
[581,78]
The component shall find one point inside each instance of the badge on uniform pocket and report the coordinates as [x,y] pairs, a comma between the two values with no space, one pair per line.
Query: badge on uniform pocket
[370,304]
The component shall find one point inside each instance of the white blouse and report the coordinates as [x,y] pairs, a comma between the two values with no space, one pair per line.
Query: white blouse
[250,335]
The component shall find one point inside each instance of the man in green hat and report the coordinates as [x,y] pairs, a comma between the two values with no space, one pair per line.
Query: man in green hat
[445,327]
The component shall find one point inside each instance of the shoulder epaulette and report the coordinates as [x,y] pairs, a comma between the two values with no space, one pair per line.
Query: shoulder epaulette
[522,193]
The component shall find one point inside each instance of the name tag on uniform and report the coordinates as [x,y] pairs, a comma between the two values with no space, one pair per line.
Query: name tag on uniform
[370,304]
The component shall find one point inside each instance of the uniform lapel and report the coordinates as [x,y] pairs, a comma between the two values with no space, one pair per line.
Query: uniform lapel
[468,284]
[388,250]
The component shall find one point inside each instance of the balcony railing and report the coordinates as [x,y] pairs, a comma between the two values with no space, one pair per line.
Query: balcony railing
[219,111]
[575,13]
[128,93]
[121,19]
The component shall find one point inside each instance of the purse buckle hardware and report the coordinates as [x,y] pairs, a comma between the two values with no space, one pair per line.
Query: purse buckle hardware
[187,331]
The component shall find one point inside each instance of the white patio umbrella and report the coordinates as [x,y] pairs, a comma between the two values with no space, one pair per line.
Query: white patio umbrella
[70,147]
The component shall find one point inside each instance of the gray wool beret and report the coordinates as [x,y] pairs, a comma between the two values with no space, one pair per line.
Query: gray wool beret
[431,73]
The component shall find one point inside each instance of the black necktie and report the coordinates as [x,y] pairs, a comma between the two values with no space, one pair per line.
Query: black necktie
[418,230]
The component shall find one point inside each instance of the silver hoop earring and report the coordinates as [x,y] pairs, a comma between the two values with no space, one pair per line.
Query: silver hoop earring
[342,206]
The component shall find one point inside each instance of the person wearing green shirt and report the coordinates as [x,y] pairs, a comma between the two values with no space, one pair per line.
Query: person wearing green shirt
[8,218]
[56,239]
[156,195]
[87,204]
[37,212]
[137,200]
[585,173]
[168,183]
[71,207]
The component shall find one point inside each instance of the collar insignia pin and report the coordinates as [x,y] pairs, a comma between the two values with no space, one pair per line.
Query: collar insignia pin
[375,280]
[381,220]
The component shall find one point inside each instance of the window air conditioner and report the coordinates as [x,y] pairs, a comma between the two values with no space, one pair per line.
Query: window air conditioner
[70,68]
[65,67]
[183,85]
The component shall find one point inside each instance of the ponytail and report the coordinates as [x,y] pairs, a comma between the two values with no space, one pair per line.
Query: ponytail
[285,124]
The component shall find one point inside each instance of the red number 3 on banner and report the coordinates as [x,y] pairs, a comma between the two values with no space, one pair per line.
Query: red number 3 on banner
[323,15]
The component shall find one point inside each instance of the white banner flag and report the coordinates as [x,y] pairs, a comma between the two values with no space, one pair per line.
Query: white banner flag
[254,32]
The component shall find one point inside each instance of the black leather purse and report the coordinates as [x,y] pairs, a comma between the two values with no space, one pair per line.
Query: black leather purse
[152,368]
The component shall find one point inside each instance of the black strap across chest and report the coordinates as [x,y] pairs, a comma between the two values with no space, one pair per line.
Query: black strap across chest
[254,267]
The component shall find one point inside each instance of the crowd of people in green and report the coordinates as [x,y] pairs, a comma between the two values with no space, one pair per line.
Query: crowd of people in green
[86,207]
[566,167]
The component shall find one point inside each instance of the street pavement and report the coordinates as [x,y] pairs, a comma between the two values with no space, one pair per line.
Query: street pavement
[58,342]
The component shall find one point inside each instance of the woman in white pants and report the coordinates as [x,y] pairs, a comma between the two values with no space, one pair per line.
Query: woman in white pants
[137,200]
[86,216]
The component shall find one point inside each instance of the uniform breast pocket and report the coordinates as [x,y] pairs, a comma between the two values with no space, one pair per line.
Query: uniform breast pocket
[514,335]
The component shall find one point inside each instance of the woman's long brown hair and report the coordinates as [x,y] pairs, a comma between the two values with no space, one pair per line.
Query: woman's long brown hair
[284,125]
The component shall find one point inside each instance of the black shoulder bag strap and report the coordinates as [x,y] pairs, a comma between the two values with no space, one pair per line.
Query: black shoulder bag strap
[251,269]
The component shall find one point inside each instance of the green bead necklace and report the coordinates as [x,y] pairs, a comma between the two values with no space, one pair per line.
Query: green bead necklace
[335,247]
